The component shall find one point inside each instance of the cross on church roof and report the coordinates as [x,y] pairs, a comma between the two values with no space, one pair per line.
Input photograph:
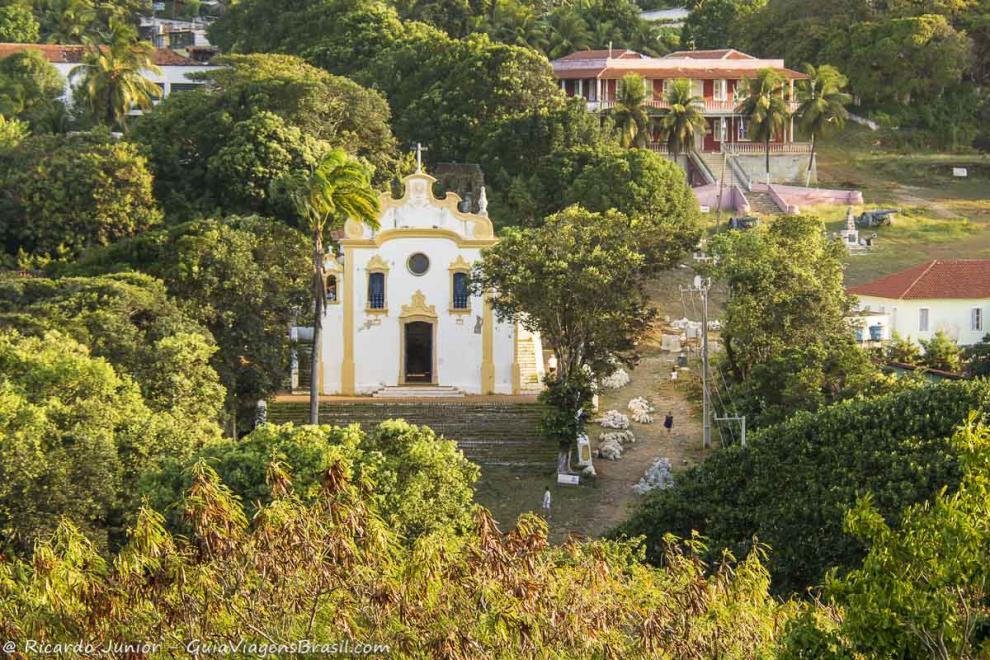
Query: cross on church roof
[419,157]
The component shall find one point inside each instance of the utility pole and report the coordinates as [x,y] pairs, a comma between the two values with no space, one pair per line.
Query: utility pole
[702,285]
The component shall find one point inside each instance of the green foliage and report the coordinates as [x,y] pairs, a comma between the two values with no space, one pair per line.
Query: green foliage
[30,88]
[922,587]
[790,488]
[74,437]
[978,358]
[651,191]
[243,278]
[941,352]
[297,570]
[788,343]
[423,484]
[59,194]
[920,65]
[902,350]
[12,133]
[17,24]
[629,114]
[719,23]
[112,76]
[72,21]
[684,118]
[128,320]
[258,152]
[765,108]
[551,279]
[261,118]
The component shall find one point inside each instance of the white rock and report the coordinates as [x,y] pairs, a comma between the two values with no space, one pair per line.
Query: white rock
[624,437]
[615,380]
[658,475]
[641,409]
[613,419]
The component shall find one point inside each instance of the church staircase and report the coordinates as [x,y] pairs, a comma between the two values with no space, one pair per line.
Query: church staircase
[418,392]
[489,432]
[529,361]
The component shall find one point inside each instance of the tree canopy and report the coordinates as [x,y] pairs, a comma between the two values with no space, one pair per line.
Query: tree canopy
[62,193]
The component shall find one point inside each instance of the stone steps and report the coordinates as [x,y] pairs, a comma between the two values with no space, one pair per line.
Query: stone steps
[762,204]
[418,392]
[489,433]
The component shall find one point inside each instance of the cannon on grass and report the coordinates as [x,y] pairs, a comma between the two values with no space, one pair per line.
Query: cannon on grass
[876,218]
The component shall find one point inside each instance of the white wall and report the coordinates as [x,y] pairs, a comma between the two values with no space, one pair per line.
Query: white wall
[953,316]
[168,76]
[445,236]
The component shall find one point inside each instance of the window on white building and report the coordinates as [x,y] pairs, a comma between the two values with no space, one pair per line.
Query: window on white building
[976,319]
[376,290]
[460,293]
[923,319]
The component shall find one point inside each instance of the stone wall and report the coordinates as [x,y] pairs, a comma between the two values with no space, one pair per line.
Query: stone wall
[784,168]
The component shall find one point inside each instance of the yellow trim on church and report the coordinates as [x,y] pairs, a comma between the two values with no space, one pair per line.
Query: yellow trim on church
[487,345]
[347,366]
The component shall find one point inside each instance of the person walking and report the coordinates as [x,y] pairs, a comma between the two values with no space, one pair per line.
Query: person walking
[546,503]
[668,422]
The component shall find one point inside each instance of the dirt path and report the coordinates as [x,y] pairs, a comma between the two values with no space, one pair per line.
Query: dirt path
[651,380]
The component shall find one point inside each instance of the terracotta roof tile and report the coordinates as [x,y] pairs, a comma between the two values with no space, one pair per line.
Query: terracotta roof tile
[616,53]
[940,278]
[73,54]
[668,72]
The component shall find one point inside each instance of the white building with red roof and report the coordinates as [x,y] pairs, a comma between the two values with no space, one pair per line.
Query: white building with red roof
[176,70]
[952,295]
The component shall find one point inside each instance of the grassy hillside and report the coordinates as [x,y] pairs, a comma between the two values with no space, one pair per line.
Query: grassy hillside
[941,216]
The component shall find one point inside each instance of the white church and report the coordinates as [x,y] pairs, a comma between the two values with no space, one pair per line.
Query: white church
[400,319]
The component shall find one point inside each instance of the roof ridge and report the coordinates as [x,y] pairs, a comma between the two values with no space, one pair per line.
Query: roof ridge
[906,291]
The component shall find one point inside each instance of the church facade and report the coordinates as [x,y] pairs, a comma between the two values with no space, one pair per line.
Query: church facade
[400,315]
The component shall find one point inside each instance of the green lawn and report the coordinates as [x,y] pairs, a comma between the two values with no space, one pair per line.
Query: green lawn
[941,216]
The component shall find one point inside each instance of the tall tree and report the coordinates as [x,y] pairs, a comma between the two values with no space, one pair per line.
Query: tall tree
[112,74]
[578,281]
[337,189]
[684,117]
[567,32]
[822,105]
[764,107]
[630,114]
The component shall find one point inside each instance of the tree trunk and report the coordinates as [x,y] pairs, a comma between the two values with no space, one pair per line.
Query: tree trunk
[564,460]
[811,162]
[314,380]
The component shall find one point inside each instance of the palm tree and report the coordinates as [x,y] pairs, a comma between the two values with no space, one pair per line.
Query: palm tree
[684,118]
[337,188]
[67,21]
[822,105]
[764,107]
[566,32]
[113,74]
[629,112]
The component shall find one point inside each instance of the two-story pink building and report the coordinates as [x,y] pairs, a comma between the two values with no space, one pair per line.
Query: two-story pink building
[715,74]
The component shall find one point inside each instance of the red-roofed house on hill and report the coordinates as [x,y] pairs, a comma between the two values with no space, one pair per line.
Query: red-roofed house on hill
[952,295]
[175,75]
[717,77]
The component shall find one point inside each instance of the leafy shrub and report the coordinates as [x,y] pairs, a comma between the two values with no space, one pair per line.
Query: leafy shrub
[791,487]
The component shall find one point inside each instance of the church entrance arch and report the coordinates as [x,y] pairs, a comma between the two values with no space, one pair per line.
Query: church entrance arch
[418,342]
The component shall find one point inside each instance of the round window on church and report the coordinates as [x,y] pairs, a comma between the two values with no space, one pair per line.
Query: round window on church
[418,263]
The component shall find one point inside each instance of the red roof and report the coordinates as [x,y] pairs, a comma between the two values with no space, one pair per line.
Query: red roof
[720,54]
[939,278]
[616,53]
[671,72]
[73,54]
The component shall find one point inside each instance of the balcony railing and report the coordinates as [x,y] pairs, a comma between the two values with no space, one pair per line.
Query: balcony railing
[660,104]
[747,148]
